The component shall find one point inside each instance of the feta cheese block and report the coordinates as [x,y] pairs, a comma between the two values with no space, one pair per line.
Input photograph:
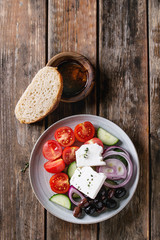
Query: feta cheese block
[87,181]
[89,155]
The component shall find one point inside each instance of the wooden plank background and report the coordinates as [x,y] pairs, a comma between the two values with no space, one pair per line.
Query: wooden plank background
[22,55]
[154,71]
[123,70]
[121,38]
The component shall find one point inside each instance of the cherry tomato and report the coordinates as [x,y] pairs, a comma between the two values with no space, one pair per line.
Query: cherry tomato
[65,136]
[52,150]
[55,166]
[69,154]
[95,140]
[59,183]
[84,131]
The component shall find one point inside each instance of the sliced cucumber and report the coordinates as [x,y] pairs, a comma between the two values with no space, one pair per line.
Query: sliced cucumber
[62,200]
[71,169]
[106,137]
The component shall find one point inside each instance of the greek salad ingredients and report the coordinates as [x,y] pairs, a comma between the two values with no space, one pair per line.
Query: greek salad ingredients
[77,212]
[55,166]
[110,192]
[102,201]
[59,183]
[110,203]
[84,131]
[90,189]
[71,169]
[118,149]
[88,181]
[65,136]
[90,210]
[69,154]
[114,169]
[73,190]
[95,140]
[115,155]
[89,155]
[83,203]
[52,150]
[62,200]
[120,192]
[106,137]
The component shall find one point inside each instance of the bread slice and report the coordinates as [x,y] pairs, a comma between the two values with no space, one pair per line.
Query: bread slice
[41,97]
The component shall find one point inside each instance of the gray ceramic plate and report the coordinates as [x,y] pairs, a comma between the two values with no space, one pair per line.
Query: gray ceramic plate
[39,178]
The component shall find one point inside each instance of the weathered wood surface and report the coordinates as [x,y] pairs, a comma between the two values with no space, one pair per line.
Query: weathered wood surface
[34,31]
[124,100]
[72,27]
[154,67]
[22,49]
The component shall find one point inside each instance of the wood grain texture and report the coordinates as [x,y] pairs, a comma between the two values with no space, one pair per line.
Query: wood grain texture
[154,63]
[124,100]
[22,54]
[72,27]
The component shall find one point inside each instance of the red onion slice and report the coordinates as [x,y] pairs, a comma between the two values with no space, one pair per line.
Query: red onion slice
[129,167]
[73,190]
[116,147]
[114,169]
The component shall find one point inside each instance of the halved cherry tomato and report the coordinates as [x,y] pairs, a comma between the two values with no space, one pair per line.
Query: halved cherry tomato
[65,136]
[84,131]
[69,154]
[59,183]
[55,166]
[52,150]
[95,140]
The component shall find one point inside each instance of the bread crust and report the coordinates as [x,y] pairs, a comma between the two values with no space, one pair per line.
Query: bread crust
[54,105]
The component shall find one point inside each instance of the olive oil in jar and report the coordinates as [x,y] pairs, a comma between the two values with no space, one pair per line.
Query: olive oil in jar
[74,78]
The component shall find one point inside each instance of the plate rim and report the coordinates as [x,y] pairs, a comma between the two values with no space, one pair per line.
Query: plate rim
[135,182]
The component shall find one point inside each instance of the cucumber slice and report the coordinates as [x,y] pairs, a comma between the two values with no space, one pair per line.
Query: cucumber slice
[62,200]
[106,137]
[71,169]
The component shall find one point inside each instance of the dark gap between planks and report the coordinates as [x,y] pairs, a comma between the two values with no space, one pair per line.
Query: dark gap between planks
[97,78]
[97,62]
[149,119]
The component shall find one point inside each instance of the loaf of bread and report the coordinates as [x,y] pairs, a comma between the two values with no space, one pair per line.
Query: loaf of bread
[41,97]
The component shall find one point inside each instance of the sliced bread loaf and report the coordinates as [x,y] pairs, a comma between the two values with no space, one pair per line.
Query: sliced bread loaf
[41,97]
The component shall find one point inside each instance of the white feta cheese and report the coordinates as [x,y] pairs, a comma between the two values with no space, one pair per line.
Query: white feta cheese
[89,155]
[87,181]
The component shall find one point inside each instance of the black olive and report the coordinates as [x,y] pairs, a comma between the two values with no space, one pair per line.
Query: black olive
[109,203]
[89,200]
[102,193]
[99,205]
[83,203]
[77,212]
[104,201]
[95,200]
[110,193]
[90,209]
[120,192]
